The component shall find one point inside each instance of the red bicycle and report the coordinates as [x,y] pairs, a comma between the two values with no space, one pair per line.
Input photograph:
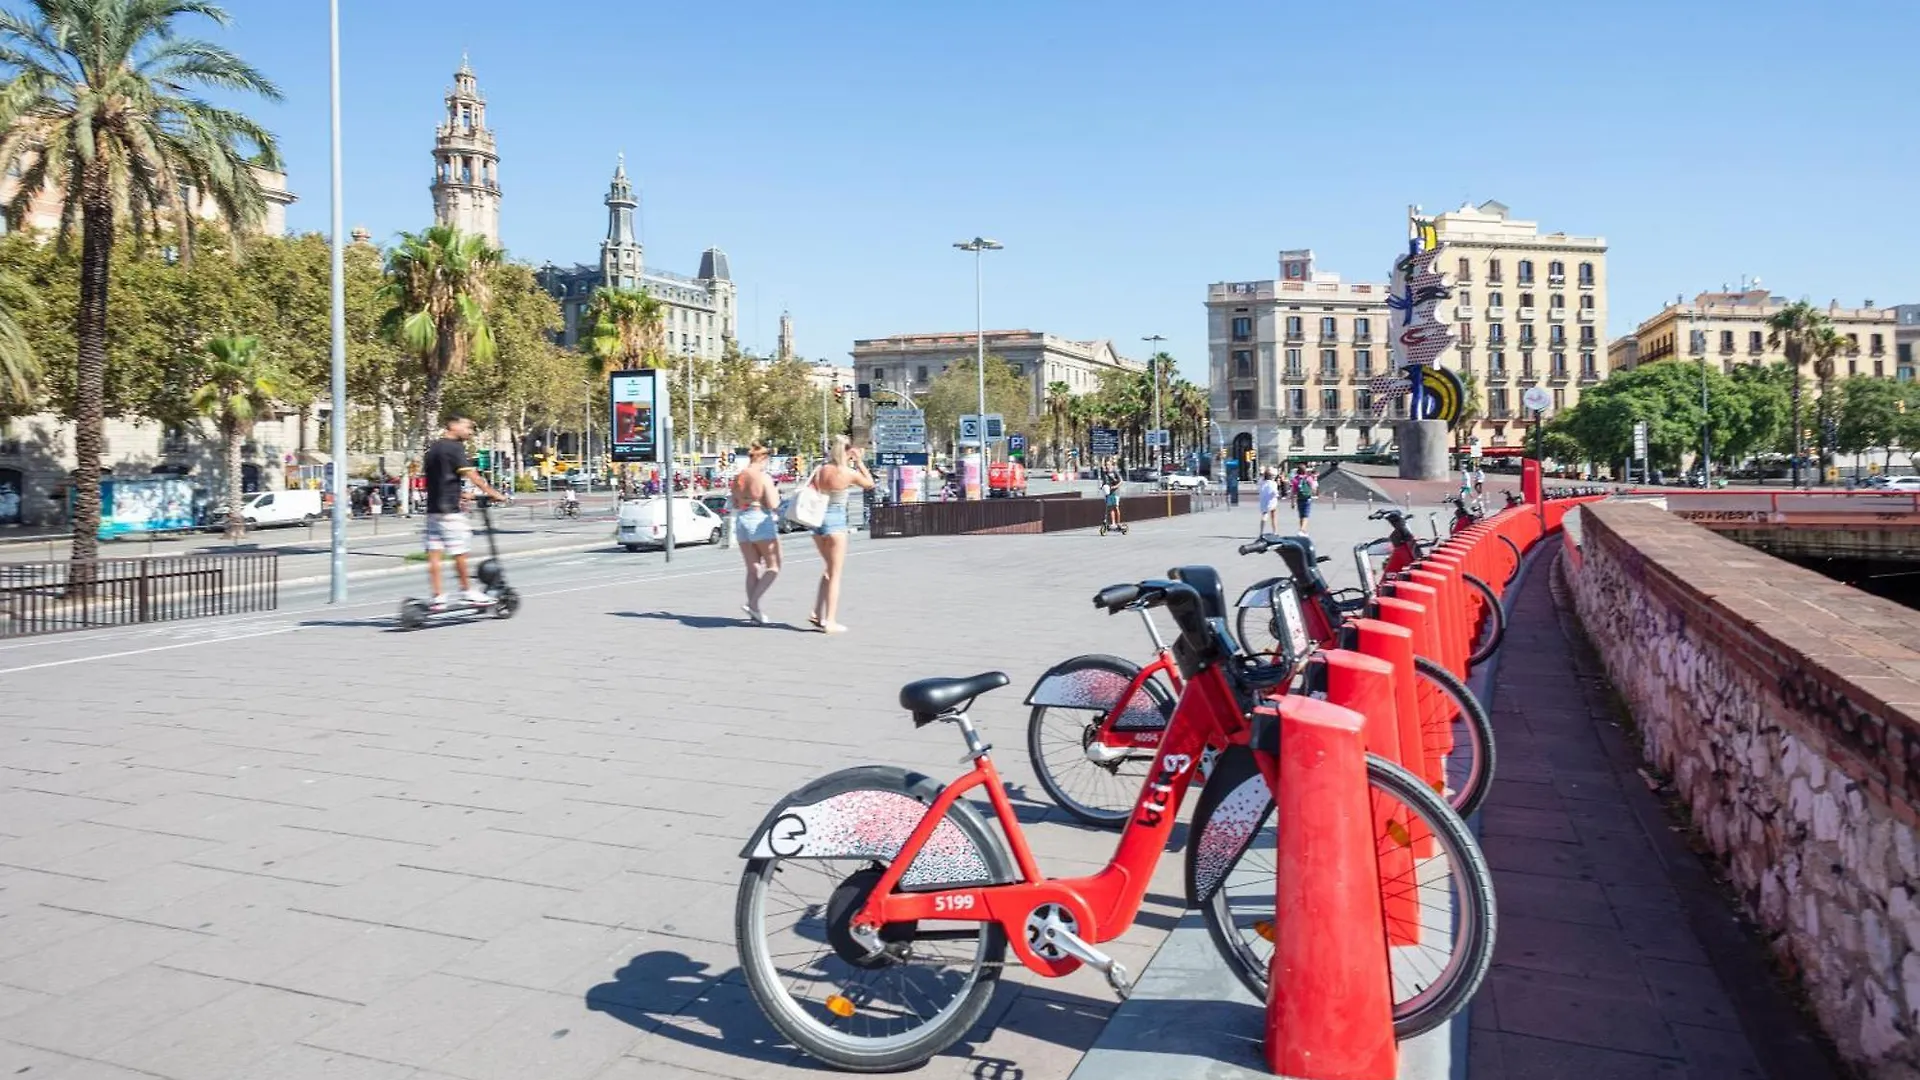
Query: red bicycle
[877,907]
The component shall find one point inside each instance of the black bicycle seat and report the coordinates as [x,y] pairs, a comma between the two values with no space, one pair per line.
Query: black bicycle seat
[926,699]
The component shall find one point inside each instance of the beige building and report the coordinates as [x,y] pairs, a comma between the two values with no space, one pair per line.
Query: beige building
[1906,340]
[466,163]
[1289,361]
[1530,309]
[910,362]
[43,210]
[1732,328]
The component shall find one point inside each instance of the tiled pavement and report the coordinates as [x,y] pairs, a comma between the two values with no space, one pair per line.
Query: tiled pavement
[1616,959]
[307,847]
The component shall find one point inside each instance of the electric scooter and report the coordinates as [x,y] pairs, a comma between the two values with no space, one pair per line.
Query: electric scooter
[492,576]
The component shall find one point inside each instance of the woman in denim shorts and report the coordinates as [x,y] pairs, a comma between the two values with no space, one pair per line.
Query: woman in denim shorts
[754,499]
[843,471]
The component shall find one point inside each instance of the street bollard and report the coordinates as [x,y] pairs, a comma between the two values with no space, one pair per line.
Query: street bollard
[1366,685]
[1329,1000]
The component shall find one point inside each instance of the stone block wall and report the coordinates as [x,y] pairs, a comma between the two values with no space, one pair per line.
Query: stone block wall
[1786,708]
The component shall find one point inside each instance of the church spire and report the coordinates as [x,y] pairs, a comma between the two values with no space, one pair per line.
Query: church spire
[466,179]
[620,252]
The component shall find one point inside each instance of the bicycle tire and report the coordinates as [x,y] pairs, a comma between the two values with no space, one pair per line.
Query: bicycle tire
[1514,570]
[1490,629]
[1113,803]
[1473,907]
[1467,788]
[1253,626]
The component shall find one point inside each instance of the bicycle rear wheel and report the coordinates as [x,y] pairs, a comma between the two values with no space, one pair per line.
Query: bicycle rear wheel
[1513,559]
[1097,784]
[1440,916]
[1489,621]
[1456,732]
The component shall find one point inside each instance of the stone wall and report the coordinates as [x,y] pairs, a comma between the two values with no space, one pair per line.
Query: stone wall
[1786,708]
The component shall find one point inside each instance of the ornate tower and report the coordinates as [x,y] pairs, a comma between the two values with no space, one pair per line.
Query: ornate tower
[466,177]
[621,257]
[786,337]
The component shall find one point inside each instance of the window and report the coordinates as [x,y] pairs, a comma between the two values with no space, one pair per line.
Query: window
[1465,272]
[1333,437]
[1853,343]
[1756,341]
[1526,333]
[1853,367]
[1329,363]
[1589,366]
[1466,362]
[879,373]
[1495,301]
[1587,336]
[1330,402]
[1463,300]
[1556,334]
[1242,364]
[1329,329]
[1243,404]
[1466,335]
[1559,400]
[1497,401]
[1493,271]
[1556,272]
[1903,352]
[1557,302]
[1879,369]
[1294,368]
[1726,341]
[1294,332]
[1557,364]
[1496,333]
[1363,363]
[1526,300]
[1526,363]
[1497,363]
[1297,438]
[1586,275]
[1242,328]
[1297,402]
[1879,346]
[1363,331]
[920,374]
[174,441]
[1499,435]
[1586,301]
[1363,403]
[1526,271]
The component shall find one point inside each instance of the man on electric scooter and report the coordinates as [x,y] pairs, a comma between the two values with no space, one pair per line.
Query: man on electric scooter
[447,530]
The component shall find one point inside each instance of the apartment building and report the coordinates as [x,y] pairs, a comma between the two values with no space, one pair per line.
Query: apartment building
[1531,310]
[1732,329]
[910,362]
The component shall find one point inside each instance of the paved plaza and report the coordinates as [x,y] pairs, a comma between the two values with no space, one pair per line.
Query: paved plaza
[305,845]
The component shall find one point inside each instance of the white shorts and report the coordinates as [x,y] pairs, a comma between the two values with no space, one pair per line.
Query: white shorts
[449,533]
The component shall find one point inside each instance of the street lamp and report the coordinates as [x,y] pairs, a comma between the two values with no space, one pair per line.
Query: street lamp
[1697,338]
[977,245]
[337,590]
[686,352]
[1153,347]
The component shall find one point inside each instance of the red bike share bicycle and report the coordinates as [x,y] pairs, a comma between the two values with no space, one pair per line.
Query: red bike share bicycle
[877,907]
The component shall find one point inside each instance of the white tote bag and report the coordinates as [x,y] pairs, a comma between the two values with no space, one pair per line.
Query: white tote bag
[808,507]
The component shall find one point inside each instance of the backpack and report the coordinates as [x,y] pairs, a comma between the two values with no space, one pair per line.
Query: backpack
[1304,486]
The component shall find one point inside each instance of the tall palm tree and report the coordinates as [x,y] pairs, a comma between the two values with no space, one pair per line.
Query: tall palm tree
[103,105]
[437,294]
[1827,343]
[19,367]
[1794,328]
[240,389]
[1059,402]
[626,330]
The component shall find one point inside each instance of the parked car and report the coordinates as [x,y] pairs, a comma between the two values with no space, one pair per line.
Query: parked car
[581,479]
[1142,474]
[643,523]
[1181,481]
[294,506]
[1006,478]
[1901,483]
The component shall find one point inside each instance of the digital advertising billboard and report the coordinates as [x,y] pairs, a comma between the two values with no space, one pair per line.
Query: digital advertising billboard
[638,400]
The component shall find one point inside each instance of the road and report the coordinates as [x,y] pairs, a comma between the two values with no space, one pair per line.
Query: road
[309,845]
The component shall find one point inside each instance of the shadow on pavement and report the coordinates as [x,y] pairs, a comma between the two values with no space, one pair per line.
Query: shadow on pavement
[702,622]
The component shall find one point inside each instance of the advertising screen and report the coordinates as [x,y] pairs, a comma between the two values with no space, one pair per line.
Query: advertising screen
[637,403]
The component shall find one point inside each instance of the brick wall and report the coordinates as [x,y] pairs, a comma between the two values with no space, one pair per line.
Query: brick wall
[1786,707]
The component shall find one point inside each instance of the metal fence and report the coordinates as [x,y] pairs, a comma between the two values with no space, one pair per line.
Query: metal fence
[54,597]
[1027,515]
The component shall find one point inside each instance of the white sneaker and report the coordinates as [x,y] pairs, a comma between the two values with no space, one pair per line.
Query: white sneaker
[439,601]
[476,598]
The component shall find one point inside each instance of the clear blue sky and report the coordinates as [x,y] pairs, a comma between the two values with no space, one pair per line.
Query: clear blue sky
[1129,154]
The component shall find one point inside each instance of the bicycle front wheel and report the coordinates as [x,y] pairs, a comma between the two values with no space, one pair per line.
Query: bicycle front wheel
[1489,621]
[1095,782]
[1434,886]
[1455,733]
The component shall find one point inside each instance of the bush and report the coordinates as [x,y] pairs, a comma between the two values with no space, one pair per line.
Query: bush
[523,485]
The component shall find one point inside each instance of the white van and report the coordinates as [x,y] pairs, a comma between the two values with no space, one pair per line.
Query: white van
[295,506]
[643,523]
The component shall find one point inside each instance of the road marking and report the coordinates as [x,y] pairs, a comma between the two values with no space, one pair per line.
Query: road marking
[141,652]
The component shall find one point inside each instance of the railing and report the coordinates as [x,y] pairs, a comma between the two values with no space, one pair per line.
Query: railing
[1024,515]
[53,597]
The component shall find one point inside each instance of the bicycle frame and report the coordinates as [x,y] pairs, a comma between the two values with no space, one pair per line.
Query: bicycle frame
[1163,663]
[1092,909]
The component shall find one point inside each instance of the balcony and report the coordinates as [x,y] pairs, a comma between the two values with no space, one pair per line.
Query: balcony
[1558,378]
[1526,314]
[1726,348]
[1294,375]
[1556,279]
[1755,348]
[1463,311]
[1496,279]
[1296,336]
[1586,283]
[1329,339]
[1557,314]
[1329,374]
[1587,378]
[1499,376]
[1586,314]
[1363,337]
[1499,412]
[1496,311]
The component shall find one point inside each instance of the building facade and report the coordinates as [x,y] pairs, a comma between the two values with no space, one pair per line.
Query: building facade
[1289,361]
[1530,310]
[1733,330]
[43,210]
[910,362]
[466,163]
[701,312]
[1906,340]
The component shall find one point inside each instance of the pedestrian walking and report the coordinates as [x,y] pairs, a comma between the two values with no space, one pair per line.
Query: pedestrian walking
[1304,488]
[1479,480]
[1269,502]
[842,471]
[373,500]
[755,500]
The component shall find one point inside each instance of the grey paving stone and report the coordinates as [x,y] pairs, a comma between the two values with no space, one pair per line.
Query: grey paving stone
[86,1022]
[1547,1059]
[1558,898]
[74,963]
[554,1037]
[424,1020]
[227,1038]
[370,963]
[1689,994]
[1612,1014]
[297,1061]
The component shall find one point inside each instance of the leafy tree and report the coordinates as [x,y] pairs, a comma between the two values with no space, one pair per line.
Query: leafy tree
[240,389]
[1748,409]
[1059,402]
[19,366]
[437,294]
[955,392]
[622,327]
[528,378]
[786,405]
[1794,329]
[103,106]
[1867,414]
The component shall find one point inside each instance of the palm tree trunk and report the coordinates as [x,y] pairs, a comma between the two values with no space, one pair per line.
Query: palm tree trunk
[1795,461]
[90,390]
[236,522]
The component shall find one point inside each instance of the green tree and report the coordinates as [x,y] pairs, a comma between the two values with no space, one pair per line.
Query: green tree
[1059,404]
[240,389]
[528,378]
[622,327]
[1749,411]
[955,392]
[103,106]
[1867,414]
[437,294]
[19,365]
[786,406]
[1794,329]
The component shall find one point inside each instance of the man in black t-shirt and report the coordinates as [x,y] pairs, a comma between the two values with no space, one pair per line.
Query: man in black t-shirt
[1110,487]
[446,466]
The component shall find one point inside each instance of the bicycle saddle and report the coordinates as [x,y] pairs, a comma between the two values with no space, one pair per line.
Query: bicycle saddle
[1205,581]
[926,699]
[1302,563]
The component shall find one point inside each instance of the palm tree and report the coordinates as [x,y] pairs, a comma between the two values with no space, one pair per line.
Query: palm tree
[240,388]
[437,294]
[627,330]
[103,106]
[1794,328]
[19,367]
[1059,405]
[1826,344]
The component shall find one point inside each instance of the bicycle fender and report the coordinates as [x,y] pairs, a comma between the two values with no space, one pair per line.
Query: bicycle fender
[869,812]
[1232,808]
[1096,681]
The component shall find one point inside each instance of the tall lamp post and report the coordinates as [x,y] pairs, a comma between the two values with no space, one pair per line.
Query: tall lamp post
[1698,339]
[686,353]
[977,245]
[337,590]
[1153,345]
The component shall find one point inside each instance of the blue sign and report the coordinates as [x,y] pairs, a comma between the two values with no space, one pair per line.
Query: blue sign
[1105,441]
[1016,443]
[891,458]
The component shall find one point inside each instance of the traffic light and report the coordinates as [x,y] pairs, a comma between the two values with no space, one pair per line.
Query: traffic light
[839,393]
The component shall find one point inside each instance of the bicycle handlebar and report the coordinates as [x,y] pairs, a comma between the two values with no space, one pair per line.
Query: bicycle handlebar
[1258,547]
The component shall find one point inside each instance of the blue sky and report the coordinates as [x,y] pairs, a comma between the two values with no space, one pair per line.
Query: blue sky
[1128,154]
